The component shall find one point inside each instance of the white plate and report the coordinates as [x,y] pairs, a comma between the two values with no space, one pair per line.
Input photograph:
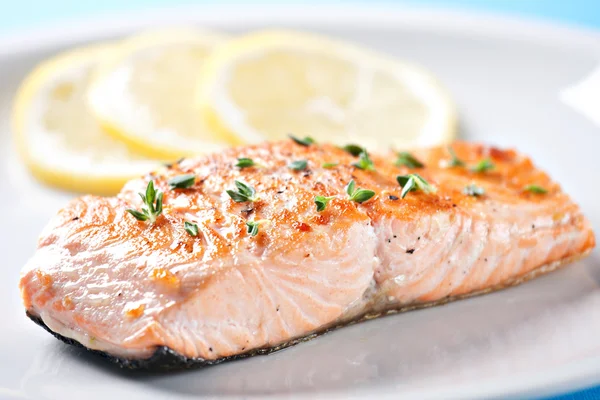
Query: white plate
[509,79]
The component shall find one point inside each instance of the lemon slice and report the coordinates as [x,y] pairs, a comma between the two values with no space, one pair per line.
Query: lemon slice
[143,93]
[59,139]
[265,85]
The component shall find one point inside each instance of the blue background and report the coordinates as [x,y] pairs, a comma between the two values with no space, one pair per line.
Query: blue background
[21,14]
[17,15]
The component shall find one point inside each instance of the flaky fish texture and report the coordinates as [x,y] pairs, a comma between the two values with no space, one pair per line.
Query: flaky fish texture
[130,288]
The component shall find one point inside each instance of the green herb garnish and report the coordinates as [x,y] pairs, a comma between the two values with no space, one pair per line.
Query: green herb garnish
[407,159]
[473,190]
[252,228]
[182,181]
[242,193]
[455,161]
[298,165]
[357,194]
[191,228]
[321,202]
[535,189]
[245,163]
[254,225]
[307,141]
[153,205]
[330,164]
[172,164]
[353,149]
[483,166]
[413,182]
[364,162]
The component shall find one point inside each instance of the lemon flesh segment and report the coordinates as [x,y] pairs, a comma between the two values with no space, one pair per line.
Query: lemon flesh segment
[59,139]
[265,85]
[143,94]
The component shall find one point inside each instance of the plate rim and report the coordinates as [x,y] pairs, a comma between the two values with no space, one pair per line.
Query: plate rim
[569,377]
[381,15]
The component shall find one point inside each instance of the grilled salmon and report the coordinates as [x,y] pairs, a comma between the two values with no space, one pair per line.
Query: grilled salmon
[258,247]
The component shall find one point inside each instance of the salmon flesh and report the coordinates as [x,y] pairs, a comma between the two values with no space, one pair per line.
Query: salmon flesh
[153,294]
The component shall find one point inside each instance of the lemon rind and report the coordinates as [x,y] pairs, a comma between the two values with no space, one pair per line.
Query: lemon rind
[215,109]
[68,179]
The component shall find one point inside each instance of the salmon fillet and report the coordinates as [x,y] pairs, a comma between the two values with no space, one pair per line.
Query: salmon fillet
[125,287]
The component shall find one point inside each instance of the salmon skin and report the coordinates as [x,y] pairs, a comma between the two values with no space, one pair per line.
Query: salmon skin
[263,266]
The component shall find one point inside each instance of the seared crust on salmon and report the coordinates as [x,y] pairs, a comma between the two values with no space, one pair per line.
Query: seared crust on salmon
[128,287]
